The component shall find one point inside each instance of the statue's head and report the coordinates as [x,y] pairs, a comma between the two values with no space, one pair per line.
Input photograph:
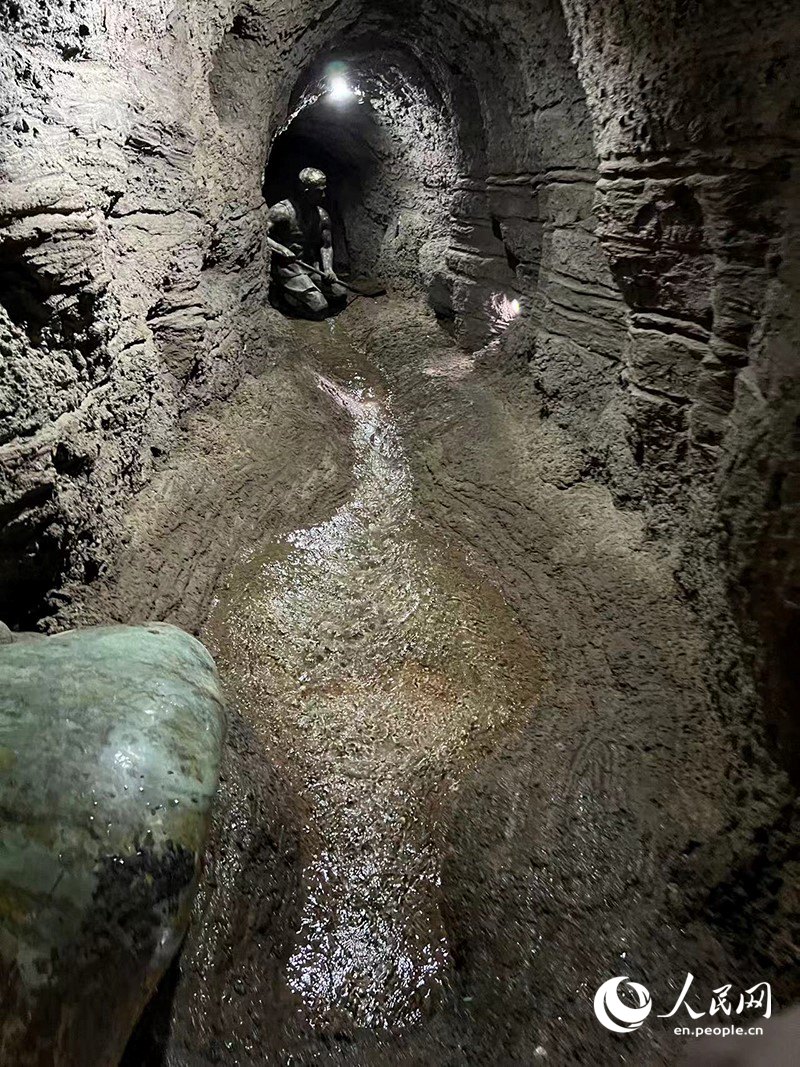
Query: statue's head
[313,185]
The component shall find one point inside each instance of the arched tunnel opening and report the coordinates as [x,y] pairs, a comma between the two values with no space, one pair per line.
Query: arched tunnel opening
[346,139]
[373,692]
[342,152]
[378,127]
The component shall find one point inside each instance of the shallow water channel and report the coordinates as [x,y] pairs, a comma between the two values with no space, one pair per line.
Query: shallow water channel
[376,667]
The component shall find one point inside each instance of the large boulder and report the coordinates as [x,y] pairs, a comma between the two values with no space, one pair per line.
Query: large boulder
[110,741]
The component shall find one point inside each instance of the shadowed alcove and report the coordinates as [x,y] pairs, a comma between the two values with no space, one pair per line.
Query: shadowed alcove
[378,128]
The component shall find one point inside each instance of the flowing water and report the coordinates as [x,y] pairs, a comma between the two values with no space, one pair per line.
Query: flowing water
[377,667]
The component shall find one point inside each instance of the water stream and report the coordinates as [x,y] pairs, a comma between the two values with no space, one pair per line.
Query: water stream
[376,666]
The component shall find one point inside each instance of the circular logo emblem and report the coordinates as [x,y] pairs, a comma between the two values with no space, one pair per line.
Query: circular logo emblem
[613,1013]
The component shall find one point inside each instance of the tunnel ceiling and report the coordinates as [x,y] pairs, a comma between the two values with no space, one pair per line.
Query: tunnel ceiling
[454,50]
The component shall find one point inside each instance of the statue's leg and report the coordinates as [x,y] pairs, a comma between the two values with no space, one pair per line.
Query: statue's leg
[303,296]
[335,294]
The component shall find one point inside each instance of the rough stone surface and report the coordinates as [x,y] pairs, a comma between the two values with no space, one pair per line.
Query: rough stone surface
[110,743]
[695,120]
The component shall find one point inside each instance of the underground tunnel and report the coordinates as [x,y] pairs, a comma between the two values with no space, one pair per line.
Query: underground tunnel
[407,677]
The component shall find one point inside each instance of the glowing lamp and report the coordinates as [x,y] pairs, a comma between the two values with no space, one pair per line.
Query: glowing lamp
[339,89]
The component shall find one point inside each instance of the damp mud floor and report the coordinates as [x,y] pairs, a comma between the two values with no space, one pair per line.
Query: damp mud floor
[473,768]
[376,667]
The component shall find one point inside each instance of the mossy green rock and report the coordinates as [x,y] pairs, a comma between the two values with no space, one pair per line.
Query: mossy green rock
[110,741]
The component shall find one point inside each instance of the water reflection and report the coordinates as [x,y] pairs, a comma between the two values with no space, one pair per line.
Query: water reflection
[375,666]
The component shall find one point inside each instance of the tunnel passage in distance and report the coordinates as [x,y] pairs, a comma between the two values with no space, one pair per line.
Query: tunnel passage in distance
[384,138]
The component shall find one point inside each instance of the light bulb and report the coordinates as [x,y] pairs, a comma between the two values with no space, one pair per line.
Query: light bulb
[339,89]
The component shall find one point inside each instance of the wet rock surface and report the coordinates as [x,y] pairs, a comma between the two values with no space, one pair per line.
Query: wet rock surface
[376,668]
[110,742]
[439,831]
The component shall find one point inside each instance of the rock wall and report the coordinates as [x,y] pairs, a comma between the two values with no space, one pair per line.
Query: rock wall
[126,261]
[695,113]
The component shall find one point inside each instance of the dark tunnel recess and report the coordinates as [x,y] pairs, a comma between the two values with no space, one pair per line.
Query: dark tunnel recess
[381,132]
[343,142]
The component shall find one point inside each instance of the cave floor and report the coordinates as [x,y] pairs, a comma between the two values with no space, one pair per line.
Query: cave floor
[376,667]
[472,761]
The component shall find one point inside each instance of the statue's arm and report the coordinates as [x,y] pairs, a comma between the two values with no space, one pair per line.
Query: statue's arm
[326,251]
[276,215]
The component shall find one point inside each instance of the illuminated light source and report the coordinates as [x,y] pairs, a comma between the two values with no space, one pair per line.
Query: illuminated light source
[501,311]
[339,89]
